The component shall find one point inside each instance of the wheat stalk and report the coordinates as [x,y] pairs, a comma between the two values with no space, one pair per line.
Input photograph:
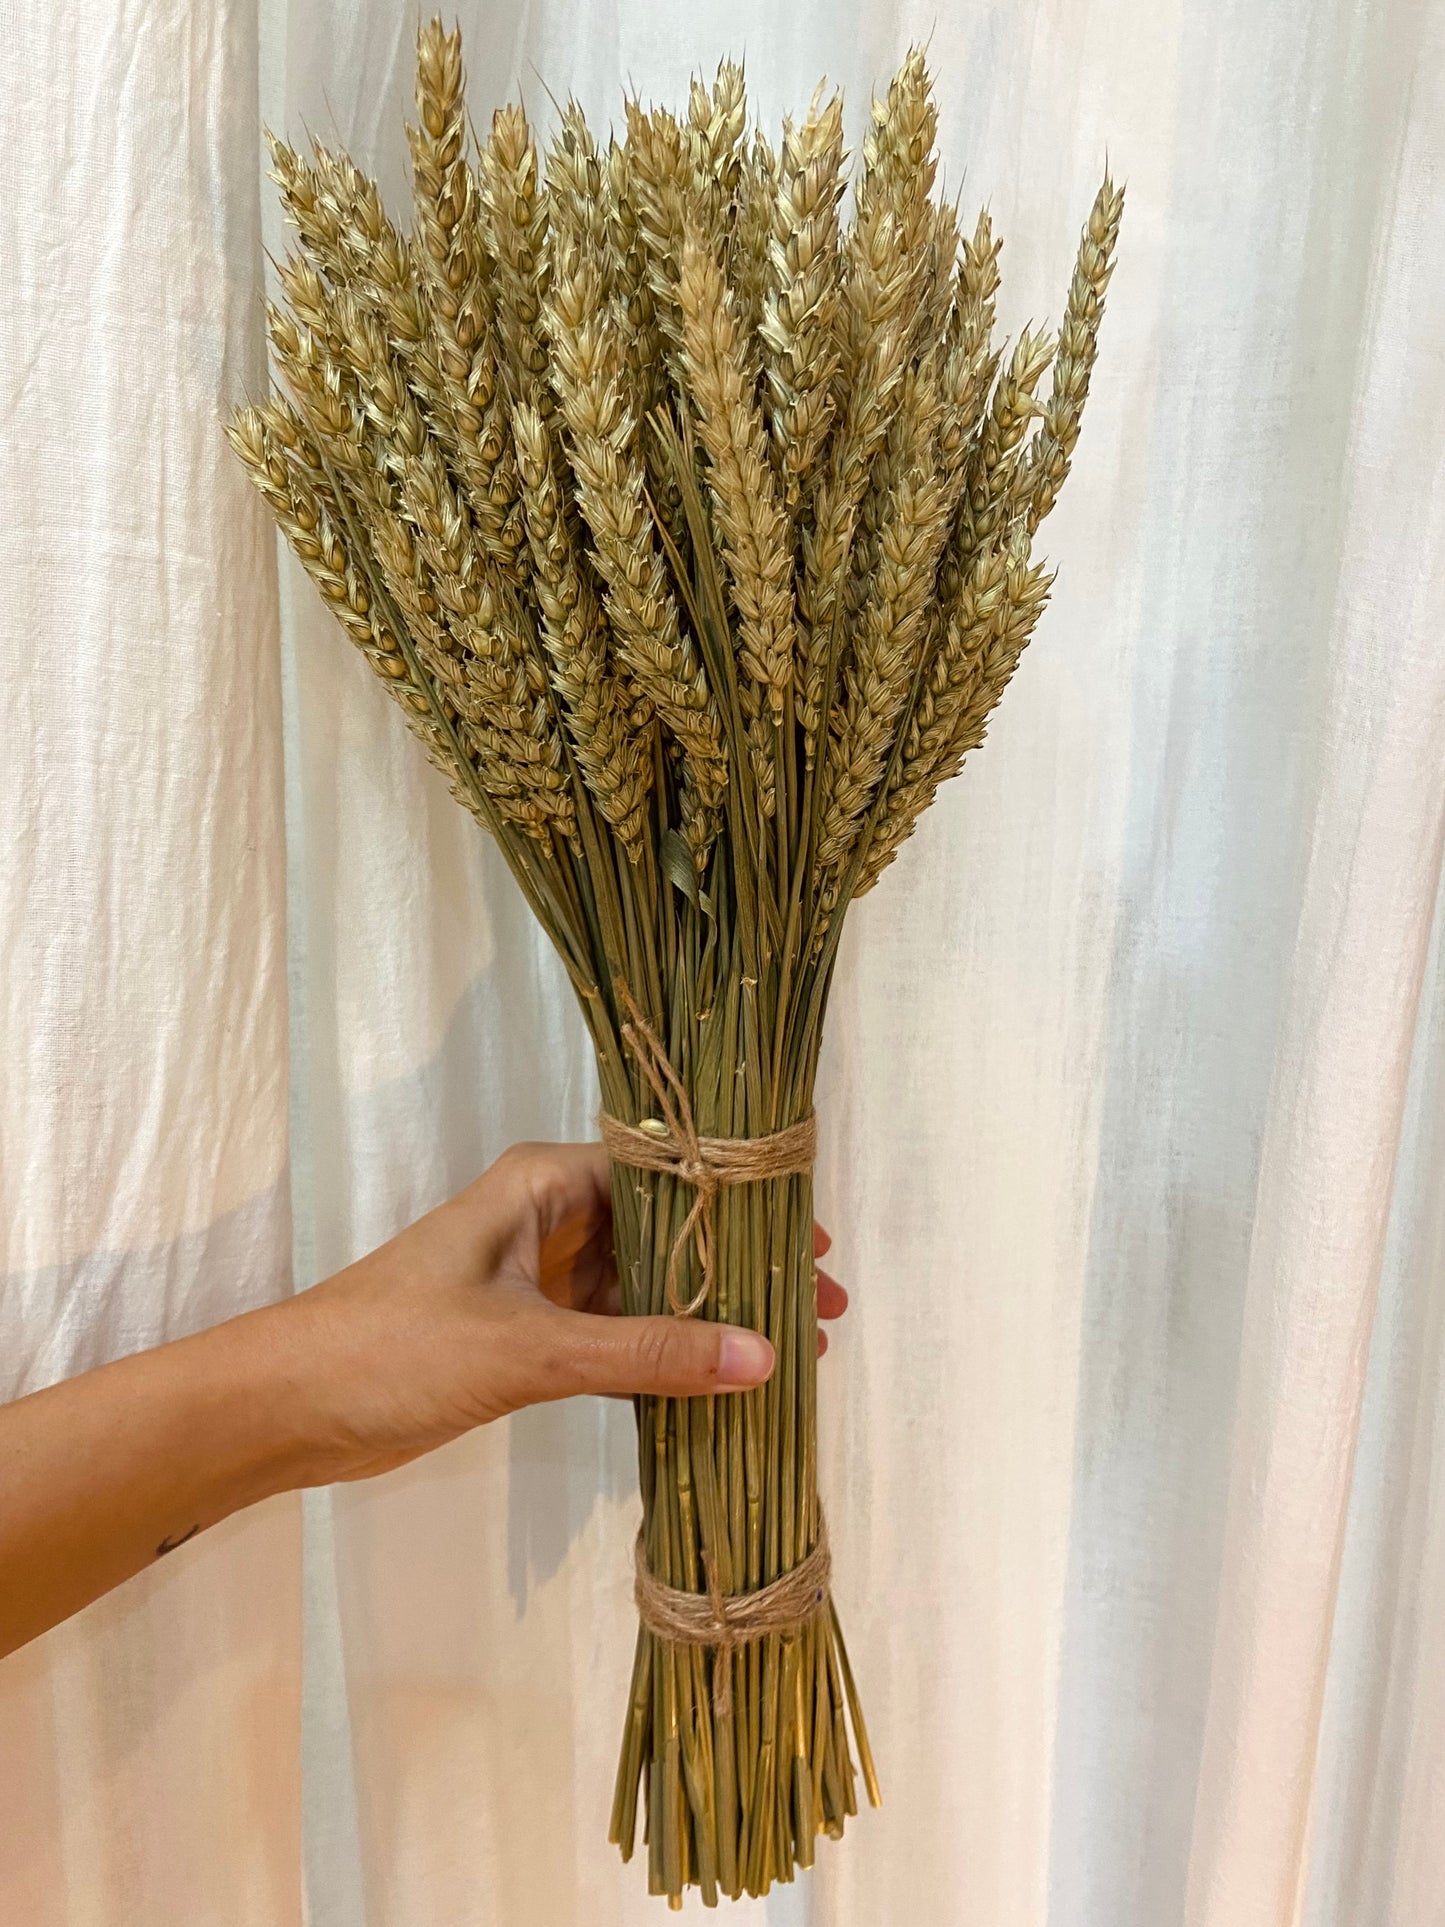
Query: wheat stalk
[690,526]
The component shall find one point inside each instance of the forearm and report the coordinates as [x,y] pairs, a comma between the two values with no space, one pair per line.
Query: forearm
[103,1474]
[496,1300]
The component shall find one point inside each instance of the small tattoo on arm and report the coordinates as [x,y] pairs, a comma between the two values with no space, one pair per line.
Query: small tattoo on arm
[169,1545]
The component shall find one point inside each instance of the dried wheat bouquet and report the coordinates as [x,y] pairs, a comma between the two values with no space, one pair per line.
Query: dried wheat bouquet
[688,516]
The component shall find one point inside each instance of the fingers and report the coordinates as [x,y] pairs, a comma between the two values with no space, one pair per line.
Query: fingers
[550,1206]
[663,1357]
[832,1298]
[564,1182]
[831,1303]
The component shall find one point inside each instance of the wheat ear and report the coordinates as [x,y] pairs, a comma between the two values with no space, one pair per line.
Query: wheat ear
[306,513]
[721,383]
[614,758]
[986,633]
[899,165]
[514,225]
[1052,448]
[799,324]
[621,275]
[285,465]
[459,374]
[892,623]
[464,622]
[450,363]
[661,659]
[713,141]
[661,179]
[491,626]
[987,505]
[886,254]
[939,279]
[748,243]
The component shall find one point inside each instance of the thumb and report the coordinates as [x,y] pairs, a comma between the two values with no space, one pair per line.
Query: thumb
[666,1357]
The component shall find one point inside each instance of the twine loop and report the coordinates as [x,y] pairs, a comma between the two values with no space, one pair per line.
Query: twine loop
[670,1144]
[725,1621]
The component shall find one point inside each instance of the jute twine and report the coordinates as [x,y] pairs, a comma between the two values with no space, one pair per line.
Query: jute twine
[670,1144]
[726,1621]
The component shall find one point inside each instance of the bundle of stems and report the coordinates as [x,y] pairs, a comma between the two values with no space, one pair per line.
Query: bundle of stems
[688,517]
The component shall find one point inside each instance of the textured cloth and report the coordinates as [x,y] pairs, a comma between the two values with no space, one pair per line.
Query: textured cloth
[149,1766]
[1133,1103]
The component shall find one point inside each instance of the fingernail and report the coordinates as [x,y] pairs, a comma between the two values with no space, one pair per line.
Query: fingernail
[743,1358]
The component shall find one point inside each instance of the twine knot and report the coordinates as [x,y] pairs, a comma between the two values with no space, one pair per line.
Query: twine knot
[725,1621]
[671,1145]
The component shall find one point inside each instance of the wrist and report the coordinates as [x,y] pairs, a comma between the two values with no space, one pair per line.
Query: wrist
[330,1369]
[260,1384]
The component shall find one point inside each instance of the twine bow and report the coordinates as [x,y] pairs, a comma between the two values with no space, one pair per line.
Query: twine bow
[671,1144]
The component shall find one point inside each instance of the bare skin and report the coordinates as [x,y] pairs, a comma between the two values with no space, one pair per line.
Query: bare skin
[505,1296]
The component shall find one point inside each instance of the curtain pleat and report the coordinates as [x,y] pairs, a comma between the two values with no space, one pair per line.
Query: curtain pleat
[1131,1106]
[149,1749]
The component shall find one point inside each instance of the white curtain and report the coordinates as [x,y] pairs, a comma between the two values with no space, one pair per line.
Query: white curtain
[1133,1109]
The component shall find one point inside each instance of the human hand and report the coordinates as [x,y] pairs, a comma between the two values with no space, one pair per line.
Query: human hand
[505,1296]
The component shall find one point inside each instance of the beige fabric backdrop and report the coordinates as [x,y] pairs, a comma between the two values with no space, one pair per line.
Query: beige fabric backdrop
[1134,1104]
[148,1759]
